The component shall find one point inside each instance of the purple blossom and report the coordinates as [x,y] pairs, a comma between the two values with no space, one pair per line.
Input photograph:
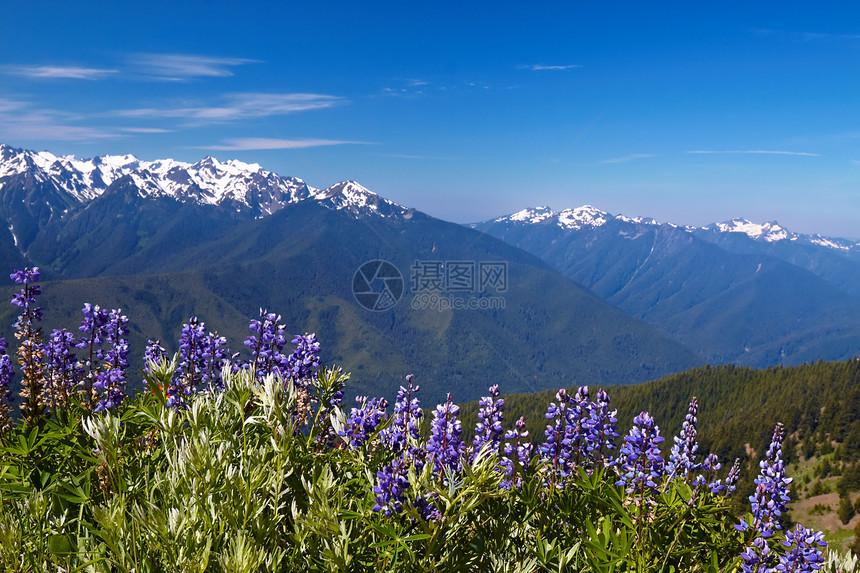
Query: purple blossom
[94,329]
[392,487]
[267,346]
[804,550]
[640,463]
[190,366]
[154,352]
[445,447]
[26,297]
[682,458]
[401,438]
[553,449]
[6,397]
[489,429]
[304,359]
[516,449]
[216,354]
[734,476]
[363,421]
[581,435]
[604,430]
[406,420]
[770,499]
[62,370]
[111,382]
[768,502]
[30,347]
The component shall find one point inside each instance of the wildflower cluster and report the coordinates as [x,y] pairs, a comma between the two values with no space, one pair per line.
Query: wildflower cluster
[581,434]
[367,481]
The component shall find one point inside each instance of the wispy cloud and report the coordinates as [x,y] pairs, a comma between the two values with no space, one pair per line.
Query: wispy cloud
[238,106]
[804,36]
[58,72]
[145,130]
[407,156]
[181,67]
[756,151]
[20,121]
[259,143]
[543,67]
[627,158]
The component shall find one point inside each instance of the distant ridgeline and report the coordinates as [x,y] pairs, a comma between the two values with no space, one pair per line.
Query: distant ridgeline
[818,403]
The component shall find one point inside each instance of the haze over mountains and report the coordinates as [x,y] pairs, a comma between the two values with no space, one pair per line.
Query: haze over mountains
[753,294]
[167,240]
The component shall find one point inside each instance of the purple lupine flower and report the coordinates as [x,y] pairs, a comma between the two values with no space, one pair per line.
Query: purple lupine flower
[682,458]
[26,297]
[489,429]
[6,397]
[757,557]
[392,487]
[639,459]
[734,476]
[515,449]
[94,329]
[582,438]
[154,352]
[552,449]
[30,347]
[216,355]
[363,421]
[62,370]
[770,499]
[804,550]
[190,365]
[111,381]
[303,359]
[267,346]
[445,447]
[401,437]
[604,430]
[406,420]
[711,466]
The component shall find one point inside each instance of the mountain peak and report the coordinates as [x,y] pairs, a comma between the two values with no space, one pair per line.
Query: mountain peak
[534,215]
[209,181]
[585,216]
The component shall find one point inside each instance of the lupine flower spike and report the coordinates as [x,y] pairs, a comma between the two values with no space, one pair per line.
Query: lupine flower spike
[6,397]
[30,347]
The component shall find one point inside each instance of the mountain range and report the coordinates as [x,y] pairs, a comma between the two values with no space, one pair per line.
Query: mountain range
[737,291]
[167,240]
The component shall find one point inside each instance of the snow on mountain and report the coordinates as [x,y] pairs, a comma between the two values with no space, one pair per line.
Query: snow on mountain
[773,232]
[535,215]
[209,181]
[587,216]
[770,232]
[582,217]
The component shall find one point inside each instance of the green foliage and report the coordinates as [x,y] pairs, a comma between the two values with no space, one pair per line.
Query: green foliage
[239,483]
[845,510]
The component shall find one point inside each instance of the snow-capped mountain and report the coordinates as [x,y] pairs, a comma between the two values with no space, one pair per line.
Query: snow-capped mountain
[737,291]
[772,232]
[587,216]
[241,186]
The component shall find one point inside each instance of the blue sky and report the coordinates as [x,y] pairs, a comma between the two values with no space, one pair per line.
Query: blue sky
[692,112]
